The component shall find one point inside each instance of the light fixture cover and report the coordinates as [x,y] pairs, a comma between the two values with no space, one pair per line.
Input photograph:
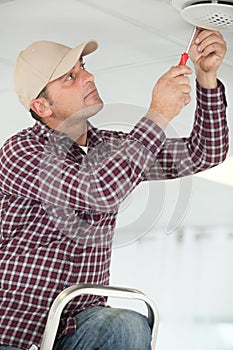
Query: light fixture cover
[215,15]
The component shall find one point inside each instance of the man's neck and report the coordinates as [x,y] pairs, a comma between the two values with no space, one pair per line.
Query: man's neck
[82,140]
[74,129]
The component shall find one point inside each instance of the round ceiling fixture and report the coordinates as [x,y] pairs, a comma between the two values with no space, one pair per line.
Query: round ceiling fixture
[214,15]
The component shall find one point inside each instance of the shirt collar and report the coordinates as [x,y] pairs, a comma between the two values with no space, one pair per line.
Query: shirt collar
[59,138]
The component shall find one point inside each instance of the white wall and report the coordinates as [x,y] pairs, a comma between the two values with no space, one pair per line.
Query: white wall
[189,275]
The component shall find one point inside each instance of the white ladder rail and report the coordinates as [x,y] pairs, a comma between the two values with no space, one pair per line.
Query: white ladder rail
[92,289]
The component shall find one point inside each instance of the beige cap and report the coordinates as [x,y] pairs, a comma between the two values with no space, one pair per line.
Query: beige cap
[42,62]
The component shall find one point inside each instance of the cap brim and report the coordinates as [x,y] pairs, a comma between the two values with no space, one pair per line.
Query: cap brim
[69,61]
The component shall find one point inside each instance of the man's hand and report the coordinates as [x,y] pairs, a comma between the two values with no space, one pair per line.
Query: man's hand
[207,52]
[170,94]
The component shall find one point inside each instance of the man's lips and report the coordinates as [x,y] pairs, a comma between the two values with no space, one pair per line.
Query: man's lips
[92,92]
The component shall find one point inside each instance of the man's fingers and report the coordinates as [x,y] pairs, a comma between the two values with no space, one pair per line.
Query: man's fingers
[210,42]
[183,81]
[177,71]
[186,89]
[215,48]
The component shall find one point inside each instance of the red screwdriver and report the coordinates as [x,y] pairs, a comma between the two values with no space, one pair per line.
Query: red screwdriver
[185,56]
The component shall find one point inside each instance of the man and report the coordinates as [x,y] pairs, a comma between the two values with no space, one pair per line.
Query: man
[59,204]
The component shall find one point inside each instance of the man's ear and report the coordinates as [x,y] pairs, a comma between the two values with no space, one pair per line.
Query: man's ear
[41,107]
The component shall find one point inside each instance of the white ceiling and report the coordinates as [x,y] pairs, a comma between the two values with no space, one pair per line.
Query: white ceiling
[139,40]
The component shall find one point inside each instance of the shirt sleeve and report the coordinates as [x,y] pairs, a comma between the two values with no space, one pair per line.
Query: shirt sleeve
[207,144]
[37,172]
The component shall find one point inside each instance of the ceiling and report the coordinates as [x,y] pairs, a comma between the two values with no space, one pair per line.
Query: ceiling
[138,41]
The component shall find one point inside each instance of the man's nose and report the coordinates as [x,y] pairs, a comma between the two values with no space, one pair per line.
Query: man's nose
[87,76]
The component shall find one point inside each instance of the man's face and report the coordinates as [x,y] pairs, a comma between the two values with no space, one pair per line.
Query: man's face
[74,95]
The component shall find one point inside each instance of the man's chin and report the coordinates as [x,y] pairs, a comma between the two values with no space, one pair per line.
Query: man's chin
[93,110]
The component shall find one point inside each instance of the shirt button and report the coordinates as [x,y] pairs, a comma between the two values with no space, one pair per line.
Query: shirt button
[72,258]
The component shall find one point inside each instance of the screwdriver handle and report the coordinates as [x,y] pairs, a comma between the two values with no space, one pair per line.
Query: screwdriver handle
[183,59]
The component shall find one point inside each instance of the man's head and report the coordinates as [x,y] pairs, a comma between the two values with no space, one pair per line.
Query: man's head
[51,75]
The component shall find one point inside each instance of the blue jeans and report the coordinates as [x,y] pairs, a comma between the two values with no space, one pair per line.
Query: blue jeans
[103,328]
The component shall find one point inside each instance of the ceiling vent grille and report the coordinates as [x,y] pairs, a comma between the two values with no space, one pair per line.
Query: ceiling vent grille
[215,15]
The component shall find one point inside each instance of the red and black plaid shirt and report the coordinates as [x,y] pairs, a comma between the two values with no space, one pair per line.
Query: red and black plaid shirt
[58,207]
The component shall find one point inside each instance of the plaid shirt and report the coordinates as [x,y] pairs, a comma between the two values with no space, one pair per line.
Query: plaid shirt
[58,207]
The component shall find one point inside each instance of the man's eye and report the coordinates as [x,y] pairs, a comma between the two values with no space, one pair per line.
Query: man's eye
[83,65]
[71,76]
